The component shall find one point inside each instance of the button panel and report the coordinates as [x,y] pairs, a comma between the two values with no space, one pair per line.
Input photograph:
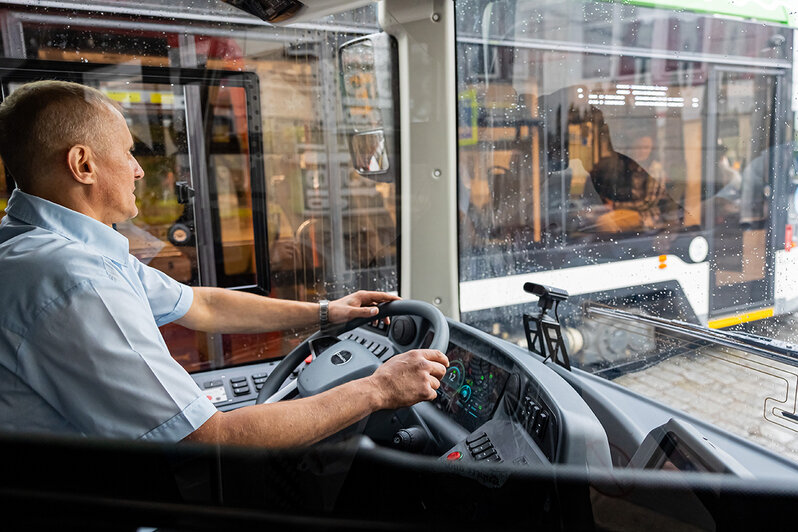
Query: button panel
[538,420]
[482,450]
[232,386]
[378,347]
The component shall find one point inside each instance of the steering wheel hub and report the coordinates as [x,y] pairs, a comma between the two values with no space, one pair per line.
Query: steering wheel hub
[343,362]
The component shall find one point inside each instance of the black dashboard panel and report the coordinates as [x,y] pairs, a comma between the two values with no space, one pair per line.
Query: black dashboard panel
[482,378]
[471,388]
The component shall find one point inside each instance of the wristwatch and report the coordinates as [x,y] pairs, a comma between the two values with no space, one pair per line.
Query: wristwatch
[324,314]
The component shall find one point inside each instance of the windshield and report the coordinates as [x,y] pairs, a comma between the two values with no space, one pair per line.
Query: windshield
[625,155]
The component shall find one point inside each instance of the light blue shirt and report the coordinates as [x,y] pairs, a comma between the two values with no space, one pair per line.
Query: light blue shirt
[80,349]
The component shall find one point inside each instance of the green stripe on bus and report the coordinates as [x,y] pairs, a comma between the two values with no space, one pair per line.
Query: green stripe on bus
[781,11]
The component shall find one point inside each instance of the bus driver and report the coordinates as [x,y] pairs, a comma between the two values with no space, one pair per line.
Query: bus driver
[80,349]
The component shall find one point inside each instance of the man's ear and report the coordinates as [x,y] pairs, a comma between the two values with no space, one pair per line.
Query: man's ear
[80,160]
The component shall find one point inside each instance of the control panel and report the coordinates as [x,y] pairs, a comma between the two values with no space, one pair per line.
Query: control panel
[482,449]
[373,340]
[228,388]
[538,420]
[497,441]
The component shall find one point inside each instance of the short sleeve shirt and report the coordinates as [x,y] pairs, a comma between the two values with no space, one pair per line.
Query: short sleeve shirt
[80,349]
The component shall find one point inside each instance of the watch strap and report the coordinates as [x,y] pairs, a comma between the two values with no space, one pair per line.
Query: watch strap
[324,313]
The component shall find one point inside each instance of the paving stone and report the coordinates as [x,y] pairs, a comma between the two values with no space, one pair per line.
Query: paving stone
[728,389]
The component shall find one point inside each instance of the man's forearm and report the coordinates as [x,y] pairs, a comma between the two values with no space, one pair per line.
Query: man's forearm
[227,311]
[293,423]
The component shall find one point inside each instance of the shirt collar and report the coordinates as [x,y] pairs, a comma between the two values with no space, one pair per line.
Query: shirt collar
[70,224]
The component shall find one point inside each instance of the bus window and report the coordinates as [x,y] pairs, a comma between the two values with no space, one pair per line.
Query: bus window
[330,231]
[227,145]
[156,118]
[87,43]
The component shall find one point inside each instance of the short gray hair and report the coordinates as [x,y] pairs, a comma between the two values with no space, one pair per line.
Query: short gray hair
[41,121]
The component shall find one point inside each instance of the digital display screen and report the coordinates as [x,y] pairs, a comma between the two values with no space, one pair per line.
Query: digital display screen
[471,388]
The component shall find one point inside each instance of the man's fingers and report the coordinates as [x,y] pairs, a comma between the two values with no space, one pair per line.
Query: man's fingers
[375,297]
[364,312]
[434,355]
[432,393]
[437,370]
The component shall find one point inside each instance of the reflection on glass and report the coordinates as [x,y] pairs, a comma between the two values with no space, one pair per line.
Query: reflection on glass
[370,154]
[360,86]
[330,231]
[598,151]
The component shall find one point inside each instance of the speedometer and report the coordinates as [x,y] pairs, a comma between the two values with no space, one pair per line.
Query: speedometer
[470,388]
[453,378]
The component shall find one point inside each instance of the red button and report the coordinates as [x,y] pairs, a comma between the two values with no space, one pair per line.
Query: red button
[309,359]
[454,455]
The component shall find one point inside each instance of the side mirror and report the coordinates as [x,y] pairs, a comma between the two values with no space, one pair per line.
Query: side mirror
[369,154]
[369,87]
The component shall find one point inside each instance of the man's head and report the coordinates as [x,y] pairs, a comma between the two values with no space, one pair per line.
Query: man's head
[70,144]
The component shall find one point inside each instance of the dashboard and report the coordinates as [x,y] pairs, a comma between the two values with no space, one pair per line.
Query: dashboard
[498,403]
[495,403]
[508,415]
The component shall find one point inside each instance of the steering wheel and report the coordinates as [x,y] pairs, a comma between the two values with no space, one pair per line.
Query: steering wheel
[348,360]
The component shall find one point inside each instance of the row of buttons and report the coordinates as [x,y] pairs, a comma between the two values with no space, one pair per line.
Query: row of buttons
[375,347]
[482,449]
[534,417]
[240,385]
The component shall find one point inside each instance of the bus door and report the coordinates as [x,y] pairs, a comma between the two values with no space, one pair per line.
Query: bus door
[201,202]
[738,193]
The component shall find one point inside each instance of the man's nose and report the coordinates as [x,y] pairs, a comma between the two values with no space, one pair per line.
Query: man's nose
[138,171]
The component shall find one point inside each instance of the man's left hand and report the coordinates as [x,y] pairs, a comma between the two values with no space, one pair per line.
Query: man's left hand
[361,304]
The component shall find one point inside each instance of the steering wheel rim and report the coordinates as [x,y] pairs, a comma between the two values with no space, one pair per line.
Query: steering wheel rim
[399,307]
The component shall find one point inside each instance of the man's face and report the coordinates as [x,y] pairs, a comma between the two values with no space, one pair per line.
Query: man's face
[117,171]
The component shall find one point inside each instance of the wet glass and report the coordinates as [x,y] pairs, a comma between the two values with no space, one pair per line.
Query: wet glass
[329,230]
[629,156]
[746,391]
[609,142]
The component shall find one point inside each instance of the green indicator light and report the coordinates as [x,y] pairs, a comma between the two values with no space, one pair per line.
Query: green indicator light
[490,376]
[482,378]
[480,408]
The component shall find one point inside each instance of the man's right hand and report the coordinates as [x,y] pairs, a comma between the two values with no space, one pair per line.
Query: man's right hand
[409,378]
